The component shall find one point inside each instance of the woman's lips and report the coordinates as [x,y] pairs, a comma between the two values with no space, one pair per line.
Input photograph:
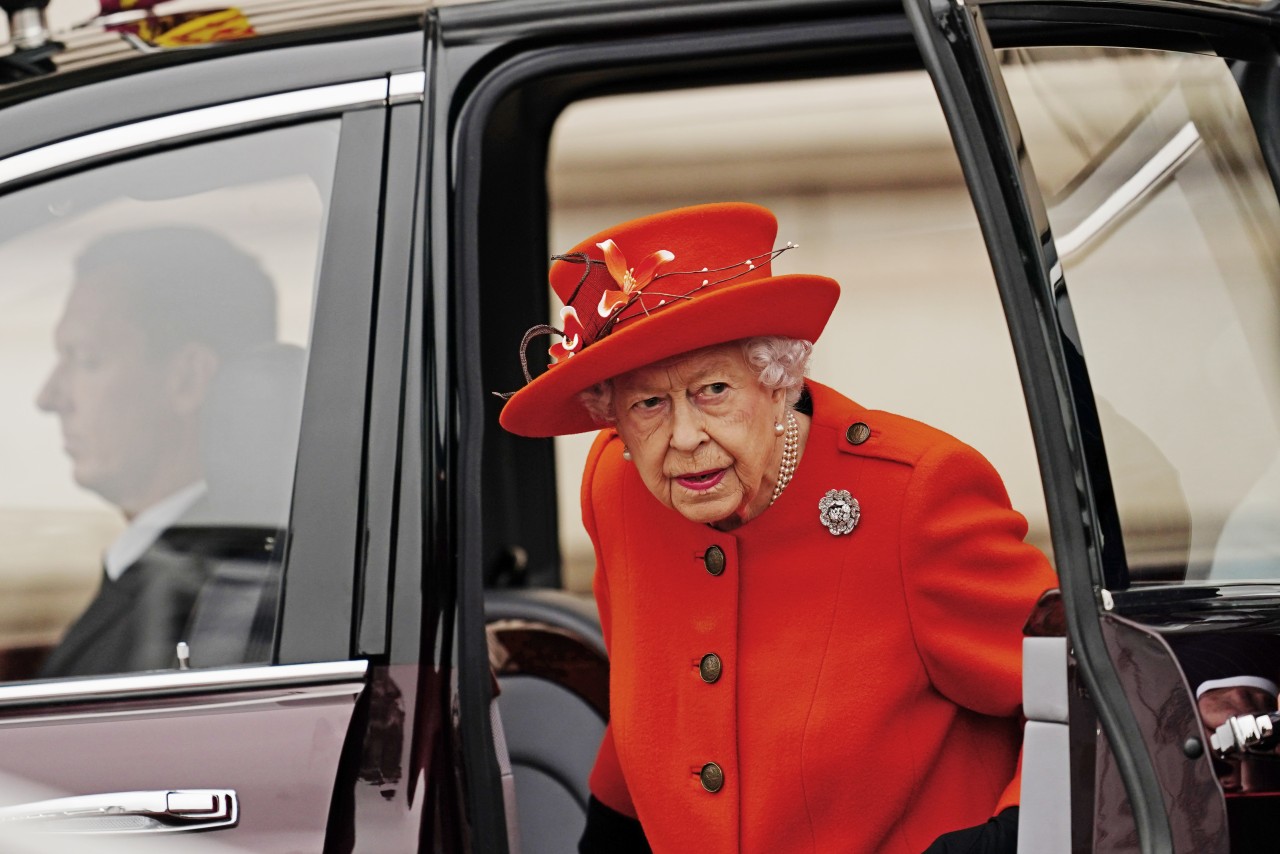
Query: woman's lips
[701,481]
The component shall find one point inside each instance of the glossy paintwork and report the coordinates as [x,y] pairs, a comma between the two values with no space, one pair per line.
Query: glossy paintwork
[96,44]
[61,107]
[1047,619]
[1166,712]
[1180,608]
[325,541]
[148,744]
[394,790]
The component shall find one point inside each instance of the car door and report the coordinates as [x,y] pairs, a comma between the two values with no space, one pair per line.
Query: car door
[1122,161]
[191,260]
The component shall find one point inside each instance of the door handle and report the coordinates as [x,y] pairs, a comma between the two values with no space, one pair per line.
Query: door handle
[128,812]
[1245,734]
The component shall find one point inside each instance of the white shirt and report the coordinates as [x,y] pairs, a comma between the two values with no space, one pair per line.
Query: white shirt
[147,527]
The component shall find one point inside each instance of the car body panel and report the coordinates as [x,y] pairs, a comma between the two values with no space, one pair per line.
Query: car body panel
[275,745]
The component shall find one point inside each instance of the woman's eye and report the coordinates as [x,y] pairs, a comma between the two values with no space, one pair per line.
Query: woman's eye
[649,402]
[717,388]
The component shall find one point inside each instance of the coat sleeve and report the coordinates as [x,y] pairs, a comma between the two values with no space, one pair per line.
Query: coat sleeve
[606,781]
[970,582]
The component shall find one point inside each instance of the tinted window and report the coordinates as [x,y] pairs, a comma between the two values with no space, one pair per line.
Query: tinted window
[1164,214]
[154,322]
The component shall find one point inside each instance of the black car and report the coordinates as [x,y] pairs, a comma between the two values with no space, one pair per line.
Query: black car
[272,570]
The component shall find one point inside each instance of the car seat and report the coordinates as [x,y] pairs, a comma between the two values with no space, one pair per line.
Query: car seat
[548,653]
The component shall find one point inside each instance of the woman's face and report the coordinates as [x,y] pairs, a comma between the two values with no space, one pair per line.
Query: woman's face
[700,431]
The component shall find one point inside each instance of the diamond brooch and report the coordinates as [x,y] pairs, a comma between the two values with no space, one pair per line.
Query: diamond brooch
[839,511]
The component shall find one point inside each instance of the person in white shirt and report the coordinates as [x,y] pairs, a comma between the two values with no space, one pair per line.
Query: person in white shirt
[151,317]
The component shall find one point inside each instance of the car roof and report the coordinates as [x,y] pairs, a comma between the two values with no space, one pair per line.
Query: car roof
[171,32]
[179,31]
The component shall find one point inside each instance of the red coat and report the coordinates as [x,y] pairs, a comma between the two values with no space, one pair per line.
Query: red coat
[870,683]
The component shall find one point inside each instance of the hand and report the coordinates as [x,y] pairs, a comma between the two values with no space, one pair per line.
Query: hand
[997,835]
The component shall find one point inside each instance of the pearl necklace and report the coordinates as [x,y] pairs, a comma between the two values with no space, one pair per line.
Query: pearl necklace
[790,448]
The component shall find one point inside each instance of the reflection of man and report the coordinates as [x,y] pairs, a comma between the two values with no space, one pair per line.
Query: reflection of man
[1233,673]
[151,316]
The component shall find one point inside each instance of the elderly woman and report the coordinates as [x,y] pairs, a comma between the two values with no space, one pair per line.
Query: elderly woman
[813,610]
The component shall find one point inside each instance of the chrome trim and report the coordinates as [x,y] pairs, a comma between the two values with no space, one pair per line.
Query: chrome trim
[162,811]
[139,44]
[148,131]
[407,86]
[272,696]
[181,682]
[1245,733]
[29,28]
[1149,178]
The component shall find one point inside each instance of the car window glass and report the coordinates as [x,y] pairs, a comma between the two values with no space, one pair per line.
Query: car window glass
[154,320]
[1165,219]
[862,175]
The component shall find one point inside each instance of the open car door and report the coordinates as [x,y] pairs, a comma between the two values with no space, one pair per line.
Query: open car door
[1123,161]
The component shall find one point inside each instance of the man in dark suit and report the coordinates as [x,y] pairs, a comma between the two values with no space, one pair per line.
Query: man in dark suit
[152,318]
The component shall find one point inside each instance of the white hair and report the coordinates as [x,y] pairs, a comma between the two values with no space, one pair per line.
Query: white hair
[779,362]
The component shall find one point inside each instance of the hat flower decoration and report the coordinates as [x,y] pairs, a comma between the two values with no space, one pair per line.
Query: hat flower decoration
[630,281]
[572,335]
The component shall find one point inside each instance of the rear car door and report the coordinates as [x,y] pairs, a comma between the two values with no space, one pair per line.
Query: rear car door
[191,280]
[1122,159]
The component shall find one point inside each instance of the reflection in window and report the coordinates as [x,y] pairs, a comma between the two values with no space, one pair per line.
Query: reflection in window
[1164,213]
[154,316]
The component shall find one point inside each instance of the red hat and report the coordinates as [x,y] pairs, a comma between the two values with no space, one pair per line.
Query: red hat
[654,288]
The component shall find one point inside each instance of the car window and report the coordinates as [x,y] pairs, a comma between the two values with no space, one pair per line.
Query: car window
[863,177]
[154,321]
[1165,219]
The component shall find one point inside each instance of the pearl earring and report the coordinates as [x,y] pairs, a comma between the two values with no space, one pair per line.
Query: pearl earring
[626,453]
[778,429]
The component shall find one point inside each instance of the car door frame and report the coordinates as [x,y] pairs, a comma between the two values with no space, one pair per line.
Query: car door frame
[956,40]
[591,50]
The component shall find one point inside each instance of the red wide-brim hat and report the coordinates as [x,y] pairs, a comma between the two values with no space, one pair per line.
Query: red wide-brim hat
[657,287]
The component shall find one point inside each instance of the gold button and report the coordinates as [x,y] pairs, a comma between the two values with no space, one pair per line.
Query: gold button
[709,667]
[857,433]
[712,777]
[714,558]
